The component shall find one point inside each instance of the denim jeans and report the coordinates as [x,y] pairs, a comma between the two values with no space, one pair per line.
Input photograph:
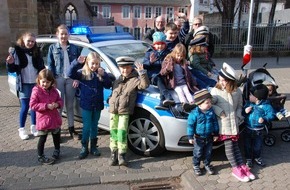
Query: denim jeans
[202,80]
[202,149]
[90,124]
[253,142]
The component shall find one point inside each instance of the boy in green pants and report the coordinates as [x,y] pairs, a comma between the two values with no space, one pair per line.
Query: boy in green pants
[122,103]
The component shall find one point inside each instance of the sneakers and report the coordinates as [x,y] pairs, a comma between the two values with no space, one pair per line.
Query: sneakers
[44,160]
[33,130]
[247,172]
[55,154]
[279,115]
[197,170]
[23,134]
[209,169]
[249,163]
[260,162]
[161,106]
[238,173]
[287,114]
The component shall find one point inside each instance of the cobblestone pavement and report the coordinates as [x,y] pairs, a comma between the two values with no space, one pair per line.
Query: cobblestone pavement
[19,168]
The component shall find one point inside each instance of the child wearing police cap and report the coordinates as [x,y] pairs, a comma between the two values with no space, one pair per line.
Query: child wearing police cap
[122,103]
[202,126]
[258,112]
[228,104]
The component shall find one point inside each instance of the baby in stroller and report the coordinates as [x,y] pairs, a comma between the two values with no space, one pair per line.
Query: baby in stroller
[277,100]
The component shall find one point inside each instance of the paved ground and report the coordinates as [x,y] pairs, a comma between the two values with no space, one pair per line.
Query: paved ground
[19,168]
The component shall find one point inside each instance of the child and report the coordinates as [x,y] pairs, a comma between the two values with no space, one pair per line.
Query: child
[177,76]
[155,55]
[92,79]
[122,103]
[275,99]
[25,59]
[227,104]
[45,101]
[202,126]
[171,32]
[258,112]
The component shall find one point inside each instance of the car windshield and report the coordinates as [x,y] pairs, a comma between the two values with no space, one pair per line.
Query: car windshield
[135,50]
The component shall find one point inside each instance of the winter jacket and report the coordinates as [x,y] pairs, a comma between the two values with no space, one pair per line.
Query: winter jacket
[263,109]
[92,91]
[167,72]
[124,94]
[46,119]
[55,57]
[231,104]
[155,67]
[20,57]
[202,124]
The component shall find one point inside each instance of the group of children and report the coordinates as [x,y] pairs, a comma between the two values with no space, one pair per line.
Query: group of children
[216,117]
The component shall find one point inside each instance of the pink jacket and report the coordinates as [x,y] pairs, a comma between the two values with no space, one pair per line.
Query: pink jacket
[45,118]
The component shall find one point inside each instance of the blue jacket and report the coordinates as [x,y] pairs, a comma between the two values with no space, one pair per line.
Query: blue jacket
[92,95]
[55,57]
[262,109]
[154,68]
[202,124]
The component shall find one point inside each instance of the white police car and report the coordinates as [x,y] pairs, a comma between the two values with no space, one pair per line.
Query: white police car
[150,131]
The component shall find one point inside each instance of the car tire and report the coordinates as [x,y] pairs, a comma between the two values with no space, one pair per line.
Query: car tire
[145,135]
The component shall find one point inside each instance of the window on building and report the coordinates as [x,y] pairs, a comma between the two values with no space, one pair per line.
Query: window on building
[137,11]
[245,8]
[96,9]
[137,33]
[126,29]
[70,16]
[148,12]
[169,14]
[182,10]
[125,11]
[158,11]
[106,11]
[205,2]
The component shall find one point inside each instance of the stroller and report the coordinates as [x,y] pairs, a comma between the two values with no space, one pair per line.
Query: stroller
[257,77]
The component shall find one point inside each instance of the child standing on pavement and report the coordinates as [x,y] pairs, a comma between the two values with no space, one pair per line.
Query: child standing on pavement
[202,127]
[45,101]
[228,104]
[258,112]
[92,81]
[122,103]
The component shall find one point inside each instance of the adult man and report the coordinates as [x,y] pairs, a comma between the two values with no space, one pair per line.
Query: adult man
[159,27]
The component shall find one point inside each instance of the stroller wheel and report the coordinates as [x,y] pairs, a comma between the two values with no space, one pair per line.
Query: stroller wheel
[285,136]
[269,140]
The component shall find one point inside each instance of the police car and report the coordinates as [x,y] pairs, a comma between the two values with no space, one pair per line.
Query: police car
[150,131]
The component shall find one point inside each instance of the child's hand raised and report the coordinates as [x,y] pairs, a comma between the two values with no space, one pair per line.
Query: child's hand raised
[101,71]
[139,66]
[81,59]
[248,109]
[152,58]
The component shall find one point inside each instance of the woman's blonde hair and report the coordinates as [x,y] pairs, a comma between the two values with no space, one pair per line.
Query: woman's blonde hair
[86,71]
[62,26]
[20,41]
[45,74]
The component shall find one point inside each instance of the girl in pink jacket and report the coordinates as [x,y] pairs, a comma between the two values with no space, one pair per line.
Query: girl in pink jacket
[45,101]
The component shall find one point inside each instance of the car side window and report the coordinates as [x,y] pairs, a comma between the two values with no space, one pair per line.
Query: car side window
[44,50]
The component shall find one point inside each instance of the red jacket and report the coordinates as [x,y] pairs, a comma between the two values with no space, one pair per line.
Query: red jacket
[167,71]
[46,119]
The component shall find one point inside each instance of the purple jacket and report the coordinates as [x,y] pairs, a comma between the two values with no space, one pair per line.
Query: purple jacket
[46,119]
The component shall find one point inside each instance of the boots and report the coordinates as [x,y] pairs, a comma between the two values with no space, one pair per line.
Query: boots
[73,134]
[84,151]
[168,99]
[94,147]
[122,159]
[114,158]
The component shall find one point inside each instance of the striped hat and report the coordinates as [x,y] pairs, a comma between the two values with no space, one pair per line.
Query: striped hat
[125,60]
[201,95]
[228,72]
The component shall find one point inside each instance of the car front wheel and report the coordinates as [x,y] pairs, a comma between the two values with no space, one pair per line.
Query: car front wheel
[145,135]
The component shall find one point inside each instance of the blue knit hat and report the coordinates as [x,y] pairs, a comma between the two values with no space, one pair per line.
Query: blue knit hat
[159,37]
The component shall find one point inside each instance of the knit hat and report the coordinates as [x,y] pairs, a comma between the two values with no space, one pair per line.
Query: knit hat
[125,60]
[159,37]
[228,72]
[199,41]
[260,91]
[201,30]
[201,95]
